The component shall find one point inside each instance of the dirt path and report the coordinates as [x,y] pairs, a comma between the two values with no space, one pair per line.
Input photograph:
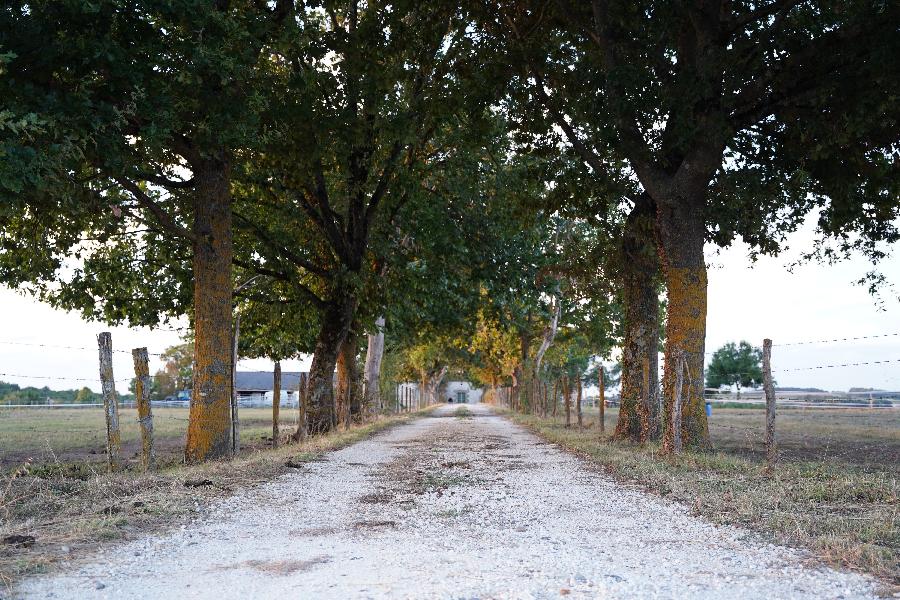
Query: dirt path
[449,507]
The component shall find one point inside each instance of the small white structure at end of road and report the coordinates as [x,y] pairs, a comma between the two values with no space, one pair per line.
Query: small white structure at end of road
[461,392]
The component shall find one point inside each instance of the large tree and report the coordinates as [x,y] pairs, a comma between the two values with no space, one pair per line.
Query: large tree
[118,181]
[360,106]
[735,365]
[736,118]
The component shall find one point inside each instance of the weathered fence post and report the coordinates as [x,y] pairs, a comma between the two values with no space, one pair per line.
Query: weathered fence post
[145,414]
[110,405]
[769,387]
[276,402]
[578,406]
[676,402]
[235,421]
[602,401]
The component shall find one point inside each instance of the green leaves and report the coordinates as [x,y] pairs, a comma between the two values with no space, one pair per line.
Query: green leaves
[735,364]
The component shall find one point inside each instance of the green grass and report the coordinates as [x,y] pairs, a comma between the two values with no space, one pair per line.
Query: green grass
[835,489]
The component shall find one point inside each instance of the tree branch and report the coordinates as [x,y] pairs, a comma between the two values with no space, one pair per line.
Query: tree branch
[162,217]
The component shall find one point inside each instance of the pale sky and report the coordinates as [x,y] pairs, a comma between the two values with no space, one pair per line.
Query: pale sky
[746,301]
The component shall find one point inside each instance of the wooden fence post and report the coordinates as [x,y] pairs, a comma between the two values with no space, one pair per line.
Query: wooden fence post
[276,402]
[110,404]
[769,387]
[578,405]
[602,402]
[676,403]
[235,421]
[145,414]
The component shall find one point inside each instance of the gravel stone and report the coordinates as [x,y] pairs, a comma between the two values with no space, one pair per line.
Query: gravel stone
[451,507]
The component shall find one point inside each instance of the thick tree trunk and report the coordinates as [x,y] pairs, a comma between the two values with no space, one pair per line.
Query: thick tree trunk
[525,375]
[348,397]
[276,403]
[374,355]
[209,427]
[682,230]
[548,337]
[640,280]
[336,320]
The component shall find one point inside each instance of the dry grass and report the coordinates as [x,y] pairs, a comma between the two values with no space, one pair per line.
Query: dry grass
[78,435]
[72,508]
[834,491]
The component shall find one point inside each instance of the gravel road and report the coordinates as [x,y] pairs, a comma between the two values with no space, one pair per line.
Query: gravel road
[449,507]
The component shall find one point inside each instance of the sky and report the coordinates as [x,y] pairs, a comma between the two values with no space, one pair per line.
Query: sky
[746,302]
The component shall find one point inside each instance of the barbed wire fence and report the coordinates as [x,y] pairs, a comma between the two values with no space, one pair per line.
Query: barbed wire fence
[399,396]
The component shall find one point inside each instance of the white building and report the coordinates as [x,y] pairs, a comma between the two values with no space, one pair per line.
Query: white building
[462,392]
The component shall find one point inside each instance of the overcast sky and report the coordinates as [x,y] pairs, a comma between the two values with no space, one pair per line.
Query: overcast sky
[746,301]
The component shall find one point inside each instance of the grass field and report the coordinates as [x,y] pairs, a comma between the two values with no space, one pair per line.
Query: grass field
[70,435]
[835,489]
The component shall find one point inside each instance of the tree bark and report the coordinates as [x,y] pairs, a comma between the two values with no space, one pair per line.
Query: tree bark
[374,355]
[276,402]
[209,426]
[682,230]
[336,320]
[578,412]
[640,281]
[348,397]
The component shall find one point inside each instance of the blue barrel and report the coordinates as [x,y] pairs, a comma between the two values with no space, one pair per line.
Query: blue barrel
[709,409]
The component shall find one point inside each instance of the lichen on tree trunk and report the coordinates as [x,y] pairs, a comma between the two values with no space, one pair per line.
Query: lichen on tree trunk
[682,231]
[640,281]
[209,427]
[336,320]
[348,401]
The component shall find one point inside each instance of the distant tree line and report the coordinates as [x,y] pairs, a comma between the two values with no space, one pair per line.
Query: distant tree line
[12,393]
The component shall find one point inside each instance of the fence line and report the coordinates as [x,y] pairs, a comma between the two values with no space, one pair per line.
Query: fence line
[11,343]
[94,379]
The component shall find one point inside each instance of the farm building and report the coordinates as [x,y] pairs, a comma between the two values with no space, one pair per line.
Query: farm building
[462,392]
[256,387]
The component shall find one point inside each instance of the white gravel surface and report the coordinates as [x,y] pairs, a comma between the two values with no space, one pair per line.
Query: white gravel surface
[449,507]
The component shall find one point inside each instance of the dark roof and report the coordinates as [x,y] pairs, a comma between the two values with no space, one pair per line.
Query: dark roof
[262,381]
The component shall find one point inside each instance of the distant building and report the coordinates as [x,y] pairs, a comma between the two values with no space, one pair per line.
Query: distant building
[462,392]
[257,387]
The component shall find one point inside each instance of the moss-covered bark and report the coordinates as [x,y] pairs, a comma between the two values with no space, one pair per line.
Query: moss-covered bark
[209,427]
[336,320]
[682,233]
[638,418]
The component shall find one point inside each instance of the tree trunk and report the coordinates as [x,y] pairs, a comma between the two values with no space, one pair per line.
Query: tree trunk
[567,393]
[209,426]
[348,400]
[578,412]
[526,373]
[681,228]
[555,396]
[640,280]
[548,337]
[276,402]
[336,320]
[374,355]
